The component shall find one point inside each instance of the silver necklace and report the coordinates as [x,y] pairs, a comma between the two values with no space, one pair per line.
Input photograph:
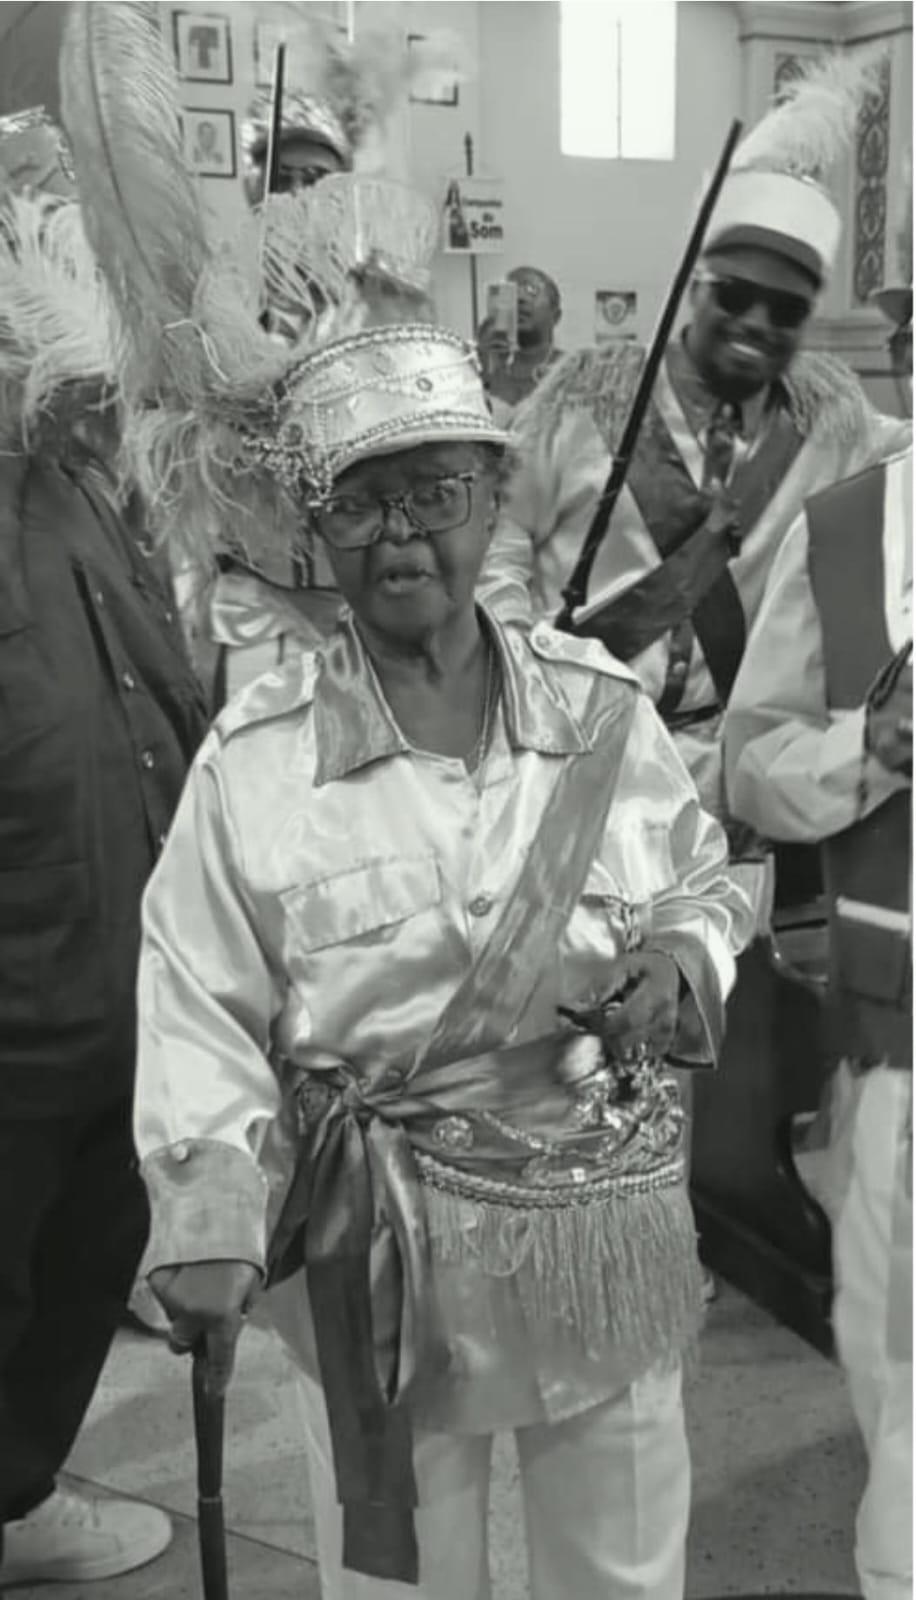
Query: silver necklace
[490,699]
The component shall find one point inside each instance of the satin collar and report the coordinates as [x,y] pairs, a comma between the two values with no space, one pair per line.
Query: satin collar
[355,726]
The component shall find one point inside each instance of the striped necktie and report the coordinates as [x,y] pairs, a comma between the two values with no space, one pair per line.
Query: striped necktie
[721,434]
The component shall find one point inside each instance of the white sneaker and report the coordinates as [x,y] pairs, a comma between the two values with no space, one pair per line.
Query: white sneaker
[70,1539]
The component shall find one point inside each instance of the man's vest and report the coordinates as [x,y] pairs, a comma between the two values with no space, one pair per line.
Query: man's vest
[867,866]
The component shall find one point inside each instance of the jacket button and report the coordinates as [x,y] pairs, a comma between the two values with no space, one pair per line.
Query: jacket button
[147,760]
[128,680]
[480,905]
[181,1151]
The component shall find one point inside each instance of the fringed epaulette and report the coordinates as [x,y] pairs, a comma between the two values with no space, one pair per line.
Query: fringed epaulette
[826,400]
[600,380]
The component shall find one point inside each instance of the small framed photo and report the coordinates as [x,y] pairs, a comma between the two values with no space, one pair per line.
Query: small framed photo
[430,85]
[208,140]
[203,46]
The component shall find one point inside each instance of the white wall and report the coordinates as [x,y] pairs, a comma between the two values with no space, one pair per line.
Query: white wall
[599,224]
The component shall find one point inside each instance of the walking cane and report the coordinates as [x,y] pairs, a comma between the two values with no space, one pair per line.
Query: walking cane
[210,1409]
[209,1417]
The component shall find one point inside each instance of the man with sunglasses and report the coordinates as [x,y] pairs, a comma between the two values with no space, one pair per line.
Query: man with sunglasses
[742,427]
[819,748]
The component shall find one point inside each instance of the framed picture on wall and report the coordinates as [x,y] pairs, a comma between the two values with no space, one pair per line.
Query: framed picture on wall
[208,141]
[615,315]
[431,85]
[203,46]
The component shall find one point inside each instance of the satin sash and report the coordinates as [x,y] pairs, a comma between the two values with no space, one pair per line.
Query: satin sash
[693,579]
[354,1211]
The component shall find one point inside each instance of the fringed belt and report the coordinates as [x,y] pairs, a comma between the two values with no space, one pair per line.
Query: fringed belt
[387,1162]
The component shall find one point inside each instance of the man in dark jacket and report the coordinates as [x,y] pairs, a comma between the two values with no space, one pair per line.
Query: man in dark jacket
[100,716]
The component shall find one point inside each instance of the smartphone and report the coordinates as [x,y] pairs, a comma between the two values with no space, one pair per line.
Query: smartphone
[502,310]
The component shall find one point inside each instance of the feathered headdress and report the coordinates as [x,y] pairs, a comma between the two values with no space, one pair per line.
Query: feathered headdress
[774,195]
[56,322]
[199,372]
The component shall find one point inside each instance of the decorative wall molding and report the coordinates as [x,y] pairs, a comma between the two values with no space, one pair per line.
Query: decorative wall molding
[820,21]
[875,19]
[823,21]
[870,204]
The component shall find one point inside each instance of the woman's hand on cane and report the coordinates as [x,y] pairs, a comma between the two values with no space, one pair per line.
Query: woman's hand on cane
[207,1301]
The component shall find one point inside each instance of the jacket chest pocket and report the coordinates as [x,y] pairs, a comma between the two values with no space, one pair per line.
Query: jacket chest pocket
[359,908]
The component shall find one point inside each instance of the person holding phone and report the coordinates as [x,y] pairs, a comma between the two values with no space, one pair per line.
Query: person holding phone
[513,368]
[819,747]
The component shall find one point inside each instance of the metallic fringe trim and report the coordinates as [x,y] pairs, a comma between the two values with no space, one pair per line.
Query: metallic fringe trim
[620,1270]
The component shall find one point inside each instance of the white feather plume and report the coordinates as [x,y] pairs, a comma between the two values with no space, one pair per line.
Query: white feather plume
[198,369]
[56,320]
[807,132]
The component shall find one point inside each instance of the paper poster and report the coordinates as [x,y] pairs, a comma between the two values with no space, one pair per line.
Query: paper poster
[615,315]
[473,217]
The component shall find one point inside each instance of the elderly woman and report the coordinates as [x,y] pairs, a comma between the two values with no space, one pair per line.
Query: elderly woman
[439,900]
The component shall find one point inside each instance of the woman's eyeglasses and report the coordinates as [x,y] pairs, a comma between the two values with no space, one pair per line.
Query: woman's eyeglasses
[436,506]
[736,296]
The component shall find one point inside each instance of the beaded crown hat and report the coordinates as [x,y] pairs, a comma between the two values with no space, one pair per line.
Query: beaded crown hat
[774,196]
[372,393]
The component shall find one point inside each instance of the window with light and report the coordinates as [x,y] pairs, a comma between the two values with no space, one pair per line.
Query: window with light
[618,79]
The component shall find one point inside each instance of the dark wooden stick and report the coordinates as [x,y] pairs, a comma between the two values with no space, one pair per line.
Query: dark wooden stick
[576,591]
[272,168]
[209,1423]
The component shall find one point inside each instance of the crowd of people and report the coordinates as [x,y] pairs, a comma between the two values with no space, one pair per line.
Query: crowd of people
[362,929]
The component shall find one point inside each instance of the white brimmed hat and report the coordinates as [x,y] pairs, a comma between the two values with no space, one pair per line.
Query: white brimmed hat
[774,197]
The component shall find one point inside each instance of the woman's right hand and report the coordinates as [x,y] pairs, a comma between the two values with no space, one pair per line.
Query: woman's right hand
[207,1301]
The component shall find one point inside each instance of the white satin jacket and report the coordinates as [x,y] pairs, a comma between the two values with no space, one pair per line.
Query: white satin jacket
[325,887]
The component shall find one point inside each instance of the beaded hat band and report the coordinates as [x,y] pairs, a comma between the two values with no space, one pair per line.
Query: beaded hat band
[372,393]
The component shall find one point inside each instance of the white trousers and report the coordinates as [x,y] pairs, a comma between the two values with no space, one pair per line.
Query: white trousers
[873,1264]
[606,1501]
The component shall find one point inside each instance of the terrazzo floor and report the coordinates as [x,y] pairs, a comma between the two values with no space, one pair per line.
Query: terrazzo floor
[778,1470]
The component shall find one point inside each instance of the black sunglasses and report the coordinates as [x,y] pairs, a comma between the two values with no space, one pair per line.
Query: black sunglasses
[736,296]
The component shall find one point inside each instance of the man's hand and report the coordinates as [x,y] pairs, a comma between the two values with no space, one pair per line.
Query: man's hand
[648,983]
[207,1300]
[493,349]
[889,724]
